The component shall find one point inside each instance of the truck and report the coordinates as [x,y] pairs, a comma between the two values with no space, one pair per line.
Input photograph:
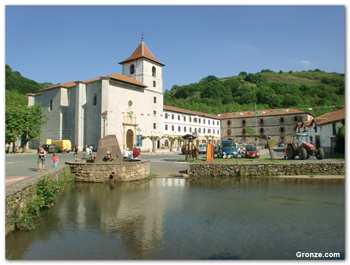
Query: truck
[63,145]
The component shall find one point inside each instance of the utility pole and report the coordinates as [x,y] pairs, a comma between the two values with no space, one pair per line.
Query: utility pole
[256,126]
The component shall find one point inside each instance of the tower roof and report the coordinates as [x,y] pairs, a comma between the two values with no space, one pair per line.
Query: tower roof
[142,52]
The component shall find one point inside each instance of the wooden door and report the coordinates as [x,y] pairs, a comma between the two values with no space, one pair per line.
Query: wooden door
[130,140]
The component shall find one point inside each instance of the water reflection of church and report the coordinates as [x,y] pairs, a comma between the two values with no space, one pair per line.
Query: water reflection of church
[134,211]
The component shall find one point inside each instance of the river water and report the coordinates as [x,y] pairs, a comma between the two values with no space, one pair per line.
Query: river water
[173,219]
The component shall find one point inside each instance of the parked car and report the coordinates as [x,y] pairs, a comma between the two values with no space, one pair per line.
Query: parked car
[202,148]
[50,148]
[251,152]
[92,147]
[224,149]
[281,144]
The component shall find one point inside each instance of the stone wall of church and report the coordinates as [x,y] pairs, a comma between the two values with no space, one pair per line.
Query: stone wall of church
[51,129]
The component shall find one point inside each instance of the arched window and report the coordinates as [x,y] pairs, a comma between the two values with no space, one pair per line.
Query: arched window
[132,69]
[94,100]
[153,71]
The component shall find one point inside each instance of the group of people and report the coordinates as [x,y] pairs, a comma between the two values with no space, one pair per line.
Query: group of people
[135,154]
[41,159]
[86,154]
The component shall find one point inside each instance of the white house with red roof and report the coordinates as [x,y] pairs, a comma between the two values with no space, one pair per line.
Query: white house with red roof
[323,129]
[179,122]
[132,103]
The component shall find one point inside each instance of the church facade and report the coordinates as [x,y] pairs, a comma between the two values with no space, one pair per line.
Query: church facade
[127,105]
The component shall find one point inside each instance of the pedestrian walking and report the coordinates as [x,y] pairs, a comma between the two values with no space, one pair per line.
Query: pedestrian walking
[54,160]
[41,158]
[75,154]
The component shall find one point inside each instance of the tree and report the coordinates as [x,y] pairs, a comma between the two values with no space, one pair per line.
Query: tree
[242,73]
[23,121]
[340,140]
[179,141]
[33,120]
[250,131]
[171,140]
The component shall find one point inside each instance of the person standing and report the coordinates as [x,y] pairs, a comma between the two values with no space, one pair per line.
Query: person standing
[54,160]
[41,158]
[84,154]
[88,150]
[75,154]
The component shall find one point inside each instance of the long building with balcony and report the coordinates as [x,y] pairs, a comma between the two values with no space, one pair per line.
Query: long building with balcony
[278,124]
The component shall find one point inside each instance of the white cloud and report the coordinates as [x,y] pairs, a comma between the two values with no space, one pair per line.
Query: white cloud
[306,62]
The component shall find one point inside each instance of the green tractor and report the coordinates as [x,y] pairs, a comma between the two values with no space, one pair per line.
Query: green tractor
[302,147]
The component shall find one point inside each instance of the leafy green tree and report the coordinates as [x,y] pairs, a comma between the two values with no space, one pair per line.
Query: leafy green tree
[250,131]
[209,78]
[340,140]
[242,73]
[33,121]
[23,121]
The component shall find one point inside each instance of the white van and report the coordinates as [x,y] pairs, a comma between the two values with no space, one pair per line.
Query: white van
[202,148]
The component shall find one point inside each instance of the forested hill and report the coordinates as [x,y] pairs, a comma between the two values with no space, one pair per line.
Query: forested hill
[17,86]
[267,89]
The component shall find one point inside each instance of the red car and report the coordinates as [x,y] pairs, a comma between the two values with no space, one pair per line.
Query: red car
[251,152]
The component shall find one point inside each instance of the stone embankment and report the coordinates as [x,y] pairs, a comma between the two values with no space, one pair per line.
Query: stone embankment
[106,172]
[256,169]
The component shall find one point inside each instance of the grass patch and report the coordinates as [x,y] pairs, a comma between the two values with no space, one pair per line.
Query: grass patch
[150,177]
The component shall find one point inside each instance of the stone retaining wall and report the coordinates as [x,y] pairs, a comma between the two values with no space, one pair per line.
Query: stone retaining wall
[18,193]
[106,172]
[255,169]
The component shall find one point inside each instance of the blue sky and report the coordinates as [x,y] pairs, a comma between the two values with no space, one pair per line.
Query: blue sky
[59,44]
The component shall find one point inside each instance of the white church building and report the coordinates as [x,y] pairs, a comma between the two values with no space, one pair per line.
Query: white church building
[131,104]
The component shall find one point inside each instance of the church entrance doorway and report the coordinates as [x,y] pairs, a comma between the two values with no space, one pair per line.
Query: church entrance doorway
[130,139]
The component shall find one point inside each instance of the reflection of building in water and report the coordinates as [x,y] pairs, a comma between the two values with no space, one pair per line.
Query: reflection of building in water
[134,210]
[173,182]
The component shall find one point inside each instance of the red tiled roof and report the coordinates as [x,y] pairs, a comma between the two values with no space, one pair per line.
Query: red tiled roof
[270,112]
[68,84]
[185,111]
[126,79]
[122,78]
[329,117]
[141,52]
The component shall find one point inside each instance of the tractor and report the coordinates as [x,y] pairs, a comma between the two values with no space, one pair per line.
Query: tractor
[301,146]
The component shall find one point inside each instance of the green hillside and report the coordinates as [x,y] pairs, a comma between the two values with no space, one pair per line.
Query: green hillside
[266,89]
[17,86]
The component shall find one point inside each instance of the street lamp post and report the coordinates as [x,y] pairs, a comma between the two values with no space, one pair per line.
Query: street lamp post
[256,126]
[104,117]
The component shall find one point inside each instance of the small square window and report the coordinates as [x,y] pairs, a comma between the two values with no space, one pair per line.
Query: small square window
[184,129]
[178,117]
[155,100]
[190,129]
[154,126]
[172,116]
[166,127]
[154,83]
[172,128]
[179,129]
[166,115]
[281,119]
